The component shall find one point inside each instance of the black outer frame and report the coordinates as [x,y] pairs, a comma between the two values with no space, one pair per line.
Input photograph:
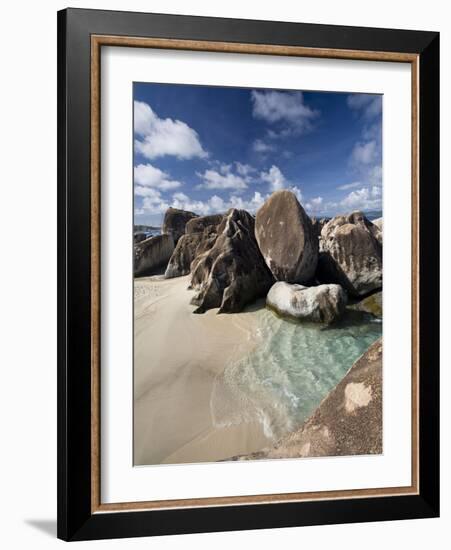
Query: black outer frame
[75,520]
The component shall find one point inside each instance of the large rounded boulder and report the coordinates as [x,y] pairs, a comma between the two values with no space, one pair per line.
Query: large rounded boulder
[232,273]
[175,221]
[351,254]
[286,238]
[318,304]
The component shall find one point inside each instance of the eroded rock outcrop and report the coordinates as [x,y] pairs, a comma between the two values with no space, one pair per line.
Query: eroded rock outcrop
[199,224]
[286,238]
[347,422]
[318,304]
[152,254]
[189,247]
[175,221]
[232,273]
[351,254]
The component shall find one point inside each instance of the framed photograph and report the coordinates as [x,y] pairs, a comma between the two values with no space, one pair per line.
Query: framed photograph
[248,274]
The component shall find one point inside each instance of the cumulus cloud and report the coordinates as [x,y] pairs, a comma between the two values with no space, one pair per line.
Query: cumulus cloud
[213,179]
[158,137]
[363,199]
[286,108]
[146,175]
[276,180]
[156,204]
[274,177]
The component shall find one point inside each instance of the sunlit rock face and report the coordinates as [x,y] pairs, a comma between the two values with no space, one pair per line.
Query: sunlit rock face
[318,304]
[351,254]
[287,239]
[232,273]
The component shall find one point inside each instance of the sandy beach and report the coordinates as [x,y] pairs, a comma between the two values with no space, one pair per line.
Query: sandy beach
[178,361]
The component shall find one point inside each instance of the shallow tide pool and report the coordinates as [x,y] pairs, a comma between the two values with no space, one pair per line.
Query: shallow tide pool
[292,368]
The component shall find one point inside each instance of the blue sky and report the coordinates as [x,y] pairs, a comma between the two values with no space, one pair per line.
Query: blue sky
[207,149]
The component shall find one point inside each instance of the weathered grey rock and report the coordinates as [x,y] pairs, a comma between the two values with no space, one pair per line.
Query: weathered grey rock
[347,422]
[199,224]
[351,254]
[379,223]
[189,247]
[175,221]
[286,238]
[152,253]
[319,304]
[232,273]
[371,304]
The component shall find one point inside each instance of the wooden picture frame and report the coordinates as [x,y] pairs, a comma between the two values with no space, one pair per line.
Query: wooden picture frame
[81,35]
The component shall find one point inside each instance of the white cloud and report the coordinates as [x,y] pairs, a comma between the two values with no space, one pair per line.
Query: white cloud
[141,191]
[156,204]
[362,199]
[159,137]
[259,146]
[244,170]
[297,192]
[347,186]
[276,180]
[368,105]
[365,160]
[274,177]
[364,153]
[217,204]
[283,107]
[213,179]
[180,196]
[315,205]
[146,175]
[251,205]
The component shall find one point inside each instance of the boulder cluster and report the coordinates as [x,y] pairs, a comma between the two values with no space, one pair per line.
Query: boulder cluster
[306,268]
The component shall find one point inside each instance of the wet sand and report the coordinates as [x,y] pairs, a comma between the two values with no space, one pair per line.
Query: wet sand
[178,359]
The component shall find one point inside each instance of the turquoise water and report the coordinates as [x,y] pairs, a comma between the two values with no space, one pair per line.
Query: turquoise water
[291,370]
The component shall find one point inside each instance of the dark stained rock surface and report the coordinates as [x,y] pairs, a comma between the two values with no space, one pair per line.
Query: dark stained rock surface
[138,237]
[175,221]
[189,247]
[232,273]
[286,238]
[371,304]
[318,224]
[197,225]
[152,253]
[351,254]
[318,304]
[347,422]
